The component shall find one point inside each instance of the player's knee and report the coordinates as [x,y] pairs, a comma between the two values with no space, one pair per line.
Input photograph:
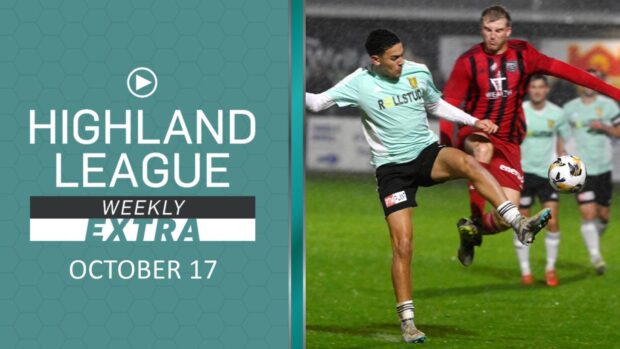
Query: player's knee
[403,248]
[588,215]
[483,152]
[553,225]
[470,166]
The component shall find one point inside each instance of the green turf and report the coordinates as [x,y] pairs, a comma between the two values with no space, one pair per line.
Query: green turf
[350,303]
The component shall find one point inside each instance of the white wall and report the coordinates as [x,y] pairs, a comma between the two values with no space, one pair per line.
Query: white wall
[337,144]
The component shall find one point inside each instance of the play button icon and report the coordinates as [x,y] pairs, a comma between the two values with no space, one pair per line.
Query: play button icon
[142,82]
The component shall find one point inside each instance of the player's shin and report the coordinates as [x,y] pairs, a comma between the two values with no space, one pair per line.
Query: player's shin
[476,202]
[601,226]
[491,224]
[552,244]
[591,239]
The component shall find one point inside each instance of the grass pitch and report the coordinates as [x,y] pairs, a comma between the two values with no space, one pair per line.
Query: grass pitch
[350,303]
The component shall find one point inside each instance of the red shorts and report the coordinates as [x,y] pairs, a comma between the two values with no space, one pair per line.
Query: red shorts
[505,163]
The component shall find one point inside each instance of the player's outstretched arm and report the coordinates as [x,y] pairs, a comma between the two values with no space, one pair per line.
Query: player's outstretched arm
[451,113]
[562,70]
[318,102]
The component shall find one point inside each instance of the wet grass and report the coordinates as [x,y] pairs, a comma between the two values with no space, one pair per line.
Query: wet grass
[350,303]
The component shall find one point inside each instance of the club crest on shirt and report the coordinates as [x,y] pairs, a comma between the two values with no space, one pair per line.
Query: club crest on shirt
[511,66]
[550,123]
[413,81]
[598,111]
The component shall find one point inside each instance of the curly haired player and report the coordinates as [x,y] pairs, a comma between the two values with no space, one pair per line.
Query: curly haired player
[394,96]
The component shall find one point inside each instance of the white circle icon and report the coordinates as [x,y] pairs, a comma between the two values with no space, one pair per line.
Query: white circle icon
[142,82]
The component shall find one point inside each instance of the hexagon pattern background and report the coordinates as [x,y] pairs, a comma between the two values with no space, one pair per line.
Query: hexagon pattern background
[209,55]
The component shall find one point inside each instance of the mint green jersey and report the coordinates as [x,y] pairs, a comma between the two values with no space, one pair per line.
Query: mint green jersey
[393,115]
[543,127]
[593,147]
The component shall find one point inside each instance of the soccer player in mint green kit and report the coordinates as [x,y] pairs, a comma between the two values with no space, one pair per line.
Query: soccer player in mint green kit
[545,122]
[394,95]
[595,121]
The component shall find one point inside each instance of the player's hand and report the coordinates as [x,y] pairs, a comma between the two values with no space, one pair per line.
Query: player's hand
[487,126]
[597,125]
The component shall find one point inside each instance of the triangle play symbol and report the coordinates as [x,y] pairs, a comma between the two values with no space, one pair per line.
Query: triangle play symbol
[141,82]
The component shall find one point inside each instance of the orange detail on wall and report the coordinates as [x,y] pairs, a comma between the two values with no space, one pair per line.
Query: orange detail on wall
[598,57]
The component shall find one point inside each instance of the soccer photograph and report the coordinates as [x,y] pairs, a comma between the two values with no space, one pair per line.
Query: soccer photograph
[461,165]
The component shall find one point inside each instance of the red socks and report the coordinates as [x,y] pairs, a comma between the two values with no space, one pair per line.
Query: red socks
[476,202]
[489,226]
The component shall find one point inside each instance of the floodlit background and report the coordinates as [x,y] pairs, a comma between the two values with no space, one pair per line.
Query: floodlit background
[435,32]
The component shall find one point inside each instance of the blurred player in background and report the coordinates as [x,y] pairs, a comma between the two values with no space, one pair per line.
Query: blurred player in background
[545,122]
[595,121]
[489,82]
[394,96]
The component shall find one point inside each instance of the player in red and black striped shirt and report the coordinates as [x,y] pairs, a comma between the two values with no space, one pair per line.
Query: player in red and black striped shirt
[489,82]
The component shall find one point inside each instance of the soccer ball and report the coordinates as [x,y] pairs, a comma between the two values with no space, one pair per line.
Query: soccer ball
[567,174]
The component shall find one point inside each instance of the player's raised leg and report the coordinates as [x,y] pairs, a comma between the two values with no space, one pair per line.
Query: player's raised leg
[452,163]
[470,229]
[401,233]
[478,146]
[482,149]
